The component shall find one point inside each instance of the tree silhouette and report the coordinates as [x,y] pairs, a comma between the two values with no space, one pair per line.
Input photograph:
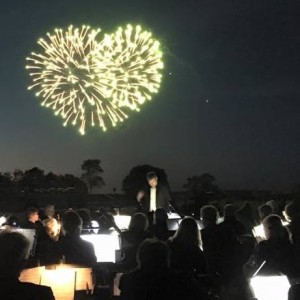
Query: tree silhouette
[91,176]
[32,179]
[5,180]
[136,179]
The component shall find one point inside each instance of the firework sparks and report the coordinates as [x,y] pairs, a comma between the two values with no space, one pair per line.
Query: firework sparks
[91,82]
[133,61]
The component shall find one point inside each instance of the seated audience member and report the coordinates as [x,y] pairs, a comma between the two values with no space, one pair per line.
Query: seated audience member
[264,210]
[133,237]
[209,237]
[234,244]
[276,250]
[153,279]
[186,255]
[246,216]
[48,212]
[230,222]
[74,249]
[47,250]
[275,207]
[32,219]
[292,214]
[160,224]
[86,218]
[13,247]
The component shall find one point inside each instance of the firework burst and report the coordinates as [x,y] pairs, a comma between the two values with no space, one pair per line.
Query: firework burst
[92,82]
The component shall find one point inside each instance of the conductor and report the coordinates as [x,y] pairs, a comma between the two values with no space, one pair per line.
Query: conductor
[154,196]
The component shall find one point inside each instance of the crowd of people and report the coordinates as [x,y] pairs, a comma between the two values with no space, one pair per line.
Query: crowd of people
[211,258]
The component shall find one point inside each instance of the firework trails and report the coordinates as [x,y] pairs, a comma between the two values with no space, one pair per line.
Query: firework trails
[94,79]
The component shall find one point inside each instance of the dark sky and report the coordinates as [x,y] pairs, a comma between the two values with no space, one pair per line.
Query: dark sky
[242,56]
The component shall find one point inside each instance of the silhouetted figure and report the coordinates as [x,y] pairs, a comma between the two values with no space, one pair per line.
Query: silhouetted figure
[47,250]
[32,219]
[48,212]
[210,245]
[276,250]
[292,213]
[275,207]
[160,224]
[13,247]
[85,217]
[186,255]
[74,249]
[232,256]
[153,279]
[246,216]
[231,223]
[264,210]
[133,237]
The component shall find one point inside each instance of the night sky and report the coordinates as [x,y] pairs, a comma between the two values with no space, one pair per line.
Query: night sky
[228,105]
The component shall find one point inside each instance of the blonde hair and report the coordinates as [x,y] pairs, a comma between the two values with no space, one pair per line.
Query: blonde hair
[52,227]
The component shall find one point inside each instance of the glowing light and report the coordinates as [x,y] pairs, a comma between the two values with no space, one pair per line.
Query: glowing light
[270,287]
[122,221]
[105,245]
[91,81]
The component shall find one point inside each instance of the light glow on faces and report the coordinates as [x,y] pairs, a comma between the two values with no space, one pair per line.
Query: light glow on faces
[94,79]
[270,287]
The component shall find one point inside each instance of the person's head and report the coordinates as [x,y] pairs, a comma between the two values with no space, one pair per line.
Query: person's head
[229,211]
[71,223]
[13,249]
[188,232]
[274,206]
[209,215]
[52,228]
[139,221]
[273,227]
[152,179]
[292,211]
[49,211]
[153,255]
[264,210]
[85,216]
[32,214]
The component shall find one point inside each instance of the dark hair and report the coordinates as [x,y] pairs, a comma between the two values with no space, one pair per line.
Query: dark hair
[274,229]
[209,214]
[151,175]
[13,247]
[31,210]
[139,221]
[72,223]
[153,255]
[264,210]
[187,232]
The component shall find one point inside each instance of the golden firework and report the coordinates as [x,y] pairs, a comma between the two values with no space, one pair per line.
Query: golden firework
[94,82]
